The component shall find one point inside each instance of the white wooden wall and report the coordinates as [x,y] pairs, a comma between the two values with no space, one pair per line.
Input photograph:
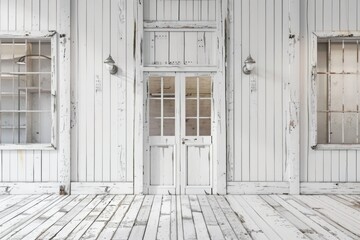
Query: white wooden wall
[29,165]
[102,104]
[324,165]
[255,143]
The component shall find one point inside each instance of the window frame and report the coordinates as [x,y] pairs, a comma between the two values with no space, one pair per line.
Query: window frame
[53,36]
[312,89]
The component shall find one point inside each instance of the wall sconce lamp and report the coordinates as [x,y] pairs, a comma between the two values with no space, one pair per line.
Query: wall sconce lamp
[110,65]
[249,65]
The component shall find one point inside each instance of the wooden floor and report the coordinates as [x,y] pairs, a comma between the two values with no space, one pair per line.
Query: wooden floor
[179,217]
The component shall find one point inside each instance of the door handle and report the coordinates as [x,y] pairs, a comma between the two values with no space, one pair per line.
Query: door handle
[186,139]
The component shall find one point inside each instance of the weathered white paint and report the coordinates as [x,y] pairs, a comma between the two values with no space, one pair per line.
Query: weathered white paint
[102,104]
[326,163]
[106,121]
[40,165]
[256,116]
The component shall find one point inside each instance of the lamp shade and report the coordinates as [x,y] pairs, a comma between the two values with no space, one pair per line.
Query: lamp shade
[249,63]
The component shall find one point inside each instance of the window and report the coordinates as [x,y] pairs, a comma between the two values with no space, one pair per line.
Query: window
[27,90]
[337,89]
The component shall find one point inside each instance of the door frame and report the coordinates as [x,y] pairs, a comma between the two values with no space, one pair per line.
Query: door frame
[179,157]
[219,93]
[218,171]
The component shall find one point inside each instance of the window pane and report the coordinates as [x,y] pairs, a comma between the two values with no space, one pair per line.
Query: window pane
[336,127]
[350,56]
[322,129]
[350,128]
[336,93]
[350,92]
[322,97]
[322,61]
[336,61]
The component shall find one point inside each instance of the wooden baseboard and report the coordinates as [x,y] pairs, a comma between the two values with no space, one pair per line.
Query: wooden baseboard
[29,188]
[257,187]
[329,188]
[102,188]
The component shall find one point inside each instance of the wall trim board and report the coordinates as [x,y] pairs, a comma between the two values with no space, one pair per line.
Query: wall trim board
[258,187]
[102,188]
[29,188]
[330,188]
[292,100]
[64,95]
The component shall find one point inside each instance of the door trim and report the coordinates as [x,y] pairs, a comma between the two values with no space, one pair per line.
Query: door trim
[216,161]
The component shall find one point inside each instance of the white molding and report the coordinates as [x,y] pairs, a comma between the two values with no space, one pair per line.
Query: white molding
[340,34]
[27,34]
[63,99]
[31,146]
[292,99]
[29,188]
[180,68]
[219,138]
[180,25]
[139,153]
[102,188]
[330,188]
[258,187]
[336,147]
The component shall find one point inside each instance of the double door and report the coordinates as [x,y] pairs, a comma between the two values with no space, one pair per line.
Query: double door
[179,125]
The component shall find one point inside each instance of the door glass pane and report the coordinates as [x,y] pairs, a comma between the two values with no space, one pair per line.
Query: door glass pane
[155,127]
[155,87]
[191,87]
[169,108]
[169,86]
[205,127]
[205,107]
[191,127]
[155,108]
[205,87]
[169,127]
[191,108]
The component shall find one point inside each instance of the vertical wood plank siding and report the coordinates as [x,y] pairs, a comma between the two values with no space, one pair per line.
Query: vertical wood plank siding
[102,104]
[255,139]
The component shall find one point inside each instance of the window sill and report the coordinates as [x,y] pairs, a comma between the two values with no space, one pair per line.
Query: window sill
[34,146]
[336,147]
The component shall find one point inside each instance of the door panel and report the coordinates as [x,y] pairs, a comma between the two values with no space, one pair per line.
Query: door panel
[196,134]
[179,134]
[162,166]
[198,165]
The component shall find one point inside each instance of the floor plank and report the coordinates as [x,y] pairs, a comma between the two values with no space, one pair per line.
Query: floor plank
[180,217]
